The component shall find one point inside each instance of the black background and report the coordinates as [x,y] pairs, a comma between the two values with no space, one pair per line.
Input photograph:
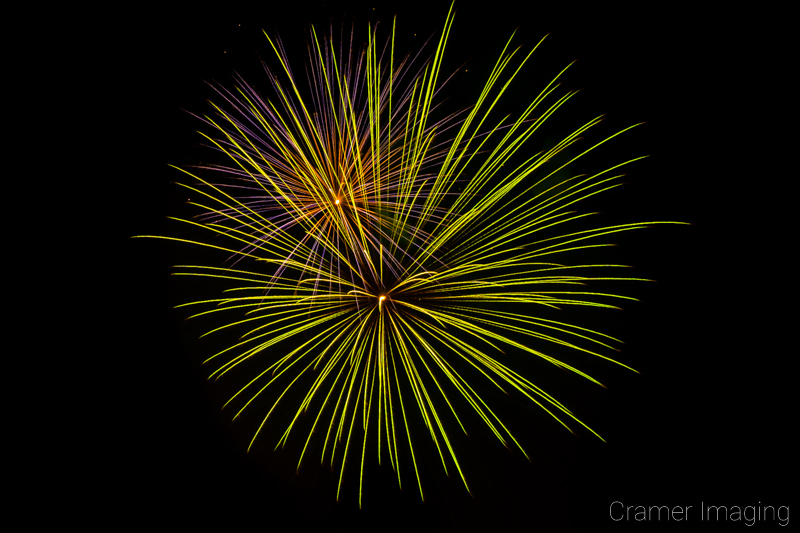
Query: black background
[707,420]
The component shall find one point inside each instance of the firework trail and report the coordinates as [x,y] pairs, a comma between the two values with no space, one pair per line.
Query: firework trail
[394,253]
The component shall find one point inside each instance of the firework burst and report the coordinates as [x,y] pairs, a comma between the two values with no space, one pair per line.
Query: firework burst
[379,257]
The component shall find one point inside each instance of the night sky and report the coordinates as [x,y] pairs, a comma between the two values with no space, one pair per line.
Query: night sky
[706,420]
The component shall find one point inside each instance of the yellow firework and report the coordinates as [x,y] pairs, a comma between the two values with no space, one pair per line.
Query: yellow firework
[380,256]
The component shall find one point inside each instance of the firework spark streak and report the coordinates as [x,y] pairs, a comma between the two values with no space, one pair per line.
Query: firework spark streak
[396,253]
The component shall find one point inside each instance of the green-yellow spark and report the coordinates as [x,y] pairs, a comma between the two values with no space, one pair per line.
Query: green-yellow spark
[357,193]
